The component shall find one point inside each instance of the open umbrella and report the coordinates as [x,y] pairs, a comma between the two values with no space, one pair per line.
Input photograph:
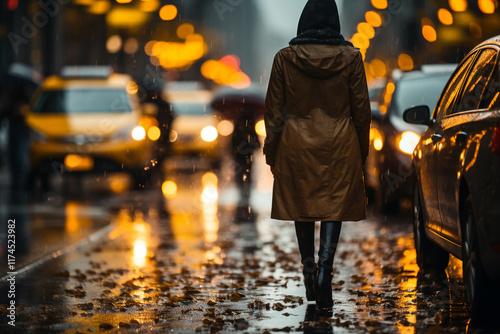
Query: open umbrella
[234,104]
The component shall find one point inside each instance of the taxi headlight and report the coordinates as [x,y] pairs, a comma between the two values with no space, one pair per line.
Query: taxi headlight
[260,128]
[407,141]
[138,133]
[209,134]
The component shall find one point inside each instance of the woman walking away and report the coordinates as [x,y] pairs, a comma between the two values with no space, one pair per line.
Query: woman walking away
[318,122]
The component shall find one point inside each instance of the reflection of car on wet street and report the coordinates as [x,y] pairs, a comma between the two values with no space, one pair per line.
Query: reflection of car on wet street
[392,140]
[457,163]
[195,129]
[89,120]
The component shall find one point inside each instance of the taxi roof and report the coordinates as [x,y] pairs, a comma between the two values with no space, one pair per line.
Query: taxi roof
[112,82]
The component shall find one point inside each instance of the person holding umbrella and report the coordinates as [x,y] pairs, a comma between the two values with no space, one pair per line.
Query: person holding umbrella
[243,107]
[317,117]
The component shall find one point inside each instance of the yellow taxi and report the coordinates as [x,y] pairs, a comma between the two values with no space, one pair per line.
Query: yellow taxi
[196,130]
[89,119]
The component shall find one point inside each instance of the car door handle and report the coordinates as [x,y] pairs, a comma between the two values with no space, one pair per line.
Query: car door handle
[436,138]
[461,136]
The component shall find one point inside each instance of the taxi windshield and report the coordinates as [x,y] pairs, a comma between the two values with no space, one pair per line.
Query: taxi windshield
[83,101]
[192,109]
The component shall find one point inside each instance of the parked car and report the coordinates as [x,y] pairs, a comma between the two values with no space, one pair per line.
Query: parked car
[392,140]
[88,120]
[456,193]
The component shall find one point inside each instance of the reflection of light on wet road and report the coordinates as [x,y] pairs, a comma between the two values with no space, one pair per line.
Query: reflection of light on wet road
[209,198]
[75,221]
[408,284]
[140,253]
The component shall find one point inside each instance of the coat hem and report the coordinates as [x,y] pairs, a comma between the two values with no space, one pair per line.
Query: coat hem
[316,219]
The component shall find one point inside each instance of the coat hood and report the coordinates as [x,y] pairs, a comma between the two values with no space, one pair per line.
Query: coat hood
[319,14]
[320,60]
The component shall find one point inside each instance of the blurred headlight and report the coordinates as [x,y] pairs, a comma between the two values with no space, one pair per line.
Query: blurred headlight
[209,134]
[377,139]
[225,128]
[138,133]
[154,133]
[260,128]
[173,136]
[407,142]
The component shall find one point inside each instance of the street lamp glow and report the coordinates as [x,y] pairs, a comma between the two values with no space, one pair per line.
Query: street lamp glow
[458,5]
[445,16]
[405,62]
[168,12]
[379,4]
[486,6]
[429,33]
[373,18]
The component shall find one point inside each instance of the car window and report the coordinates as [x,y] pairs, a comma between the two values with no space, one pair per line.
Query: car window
[192,109]
[83,101]
[421,91]
[479,92]
[452,90]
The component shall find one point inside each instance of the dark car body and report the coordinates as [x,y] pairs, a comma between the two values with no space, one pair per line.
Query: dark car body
[392,140]
[457,169]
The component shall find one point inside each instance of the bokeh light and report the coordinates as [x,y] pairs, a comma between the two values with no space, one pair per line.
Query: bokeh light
[114,44]
[405,62]
[184,30]
[366,29]
[487,6]
[373,18]
[378,68]
[379,4]
[445,16]
[458,5]
[168,12]
[429,33]
[169,189]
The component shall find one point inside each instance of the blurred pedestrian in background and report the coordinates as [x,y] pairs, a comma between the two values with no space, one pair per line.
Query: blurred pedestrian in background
[318,122]
[243,107]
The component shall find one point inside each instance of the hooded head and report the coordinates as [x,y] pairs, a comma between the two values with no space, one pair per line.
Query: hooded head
[318,15]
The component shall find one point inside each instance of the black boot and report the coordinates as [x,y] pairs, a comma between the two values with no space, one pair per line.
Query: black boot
[329,237]
[305,239]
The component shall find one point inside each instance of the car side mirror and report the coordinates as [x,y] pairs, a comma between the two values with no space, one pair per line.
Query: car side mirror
[149,109]
[418,115]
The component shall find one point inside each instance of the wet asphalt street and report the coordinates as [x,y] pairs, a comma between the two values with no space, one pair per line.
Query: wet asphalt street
[92,258]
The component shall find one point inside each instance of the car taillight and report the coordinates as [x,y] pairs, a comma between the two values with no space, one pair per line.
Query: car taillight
[495,142]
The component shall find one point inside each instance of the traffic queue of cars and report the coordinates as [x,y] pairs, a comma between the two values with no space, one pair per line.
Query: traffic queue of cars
[90,120]
[448,162]
[393,140]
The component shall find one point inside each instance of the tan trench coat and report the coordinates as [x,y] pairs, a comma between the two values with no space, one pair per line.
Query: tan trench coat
[318,123]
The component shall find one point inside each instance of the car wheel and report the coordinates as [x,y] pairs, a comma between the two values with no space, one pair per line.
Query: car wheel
[475,280]
[429,255]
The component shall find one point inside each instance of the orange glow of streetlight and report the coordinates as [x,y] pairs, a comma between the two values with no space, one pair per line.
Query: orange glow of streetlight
[405,62]
[168,12]
[458,5]
[373,18]
[378,68]
[124,1]
[379,4]
[445,16]
[487,6]
[366,29]
[429,33]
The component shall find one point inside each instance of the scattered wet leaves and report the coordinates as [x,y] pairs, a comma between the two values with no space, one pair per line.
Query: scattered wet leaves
[106,327]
